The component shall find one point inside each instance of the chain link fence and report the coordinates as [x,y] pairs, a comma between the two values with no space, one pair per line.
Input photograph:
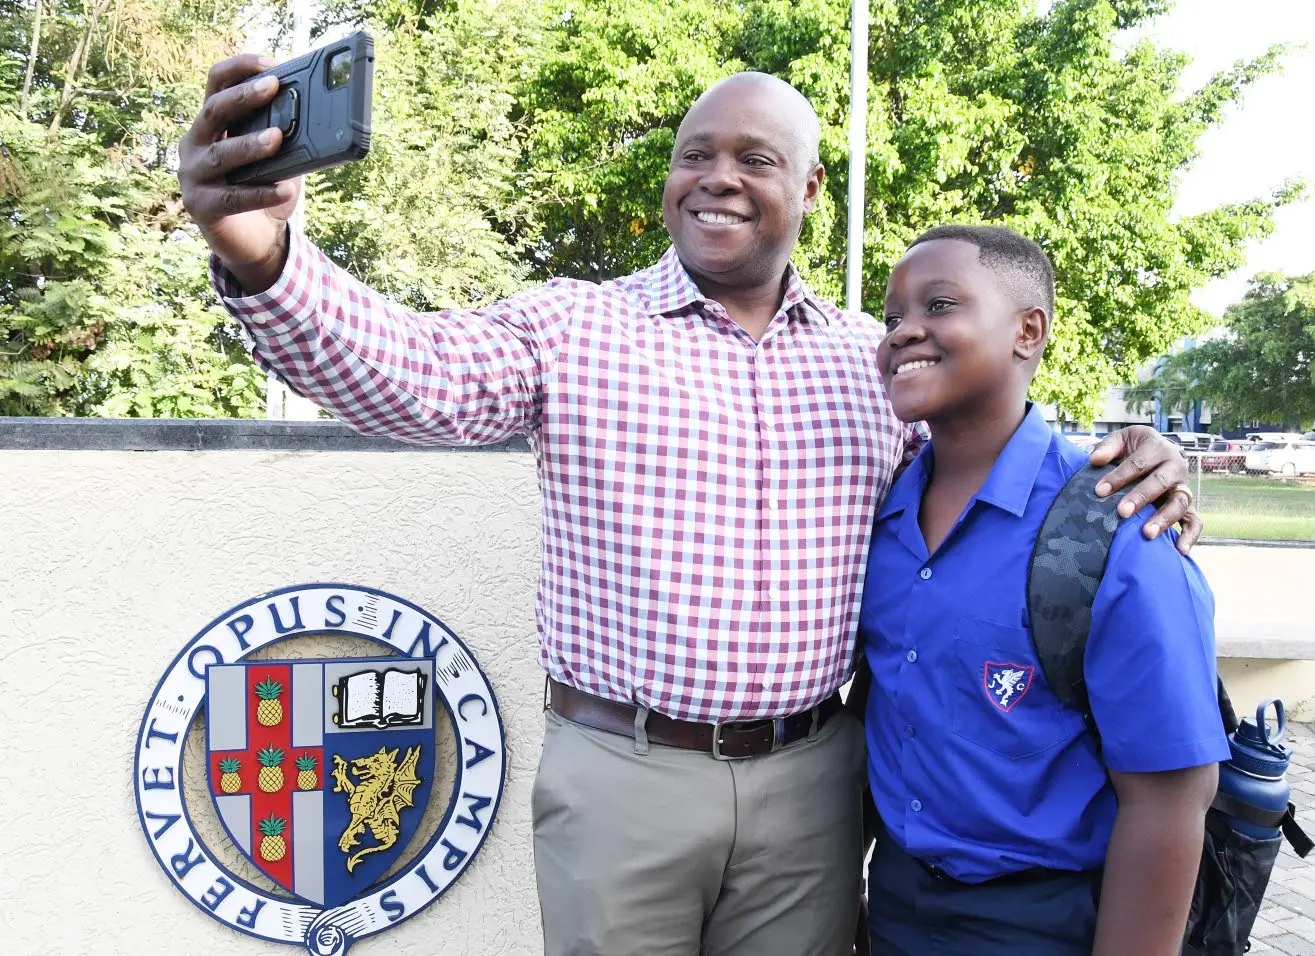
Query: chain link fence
[1254,503]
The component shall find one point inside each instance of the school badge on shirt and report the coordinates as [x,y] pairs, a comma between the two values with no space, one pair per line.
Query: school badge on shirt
[1006,684]
[319,770]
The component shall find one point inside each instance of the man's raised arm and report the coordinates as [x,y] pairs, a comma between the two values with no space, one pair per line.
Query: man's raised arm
[431,378]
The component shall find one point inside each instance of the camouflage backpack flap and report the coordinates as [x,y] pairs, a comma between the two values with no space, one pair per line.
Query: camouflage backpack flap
[1068,562]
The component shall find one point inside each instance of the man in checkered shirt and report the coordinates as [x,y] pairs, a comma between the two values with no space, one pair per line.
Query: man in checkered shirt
[712,440]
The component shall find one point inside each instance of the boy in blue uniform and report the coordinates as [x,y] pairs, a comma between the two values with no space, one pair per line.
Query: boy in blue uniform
[1008,829]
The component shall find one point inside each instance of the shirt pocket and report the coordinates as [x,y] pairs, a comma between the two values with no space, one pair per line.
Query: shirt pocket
[1000,699]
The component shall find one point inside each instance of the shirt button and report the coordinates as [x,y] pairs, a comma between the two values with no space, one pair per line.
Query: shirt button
[916,806]
[767,685]
[925,573]
[773,505]
[908,730]
[774,592]
[911,656]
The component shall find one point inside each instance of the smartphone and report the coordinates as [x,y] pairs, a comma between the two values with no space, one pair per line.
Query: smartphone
[322,107]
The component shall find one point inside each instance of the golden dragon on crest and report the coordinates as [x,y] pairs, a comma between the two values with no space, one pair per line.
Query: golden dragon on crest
[376,799]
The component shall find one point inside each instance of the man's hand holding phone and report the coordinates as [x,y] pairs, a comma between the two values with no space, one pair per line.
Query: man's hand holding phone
[246,226]
[262,128]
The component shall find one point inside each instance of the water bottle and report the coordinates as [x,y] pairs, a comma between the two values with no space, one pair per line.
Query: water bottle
[1256,775]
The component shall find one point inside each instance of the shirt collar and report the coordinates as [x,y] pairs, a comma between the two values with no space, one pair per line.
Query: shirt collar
[1008,486]
[1010,483]
[906,493]
[669,288]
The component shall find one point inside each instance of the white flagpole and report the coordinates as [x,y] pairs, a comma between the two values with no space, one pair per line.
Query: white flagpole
[858,131]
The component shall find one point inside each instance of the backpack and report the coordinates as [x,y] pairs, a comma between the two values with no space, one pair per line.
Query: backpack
[1068,562]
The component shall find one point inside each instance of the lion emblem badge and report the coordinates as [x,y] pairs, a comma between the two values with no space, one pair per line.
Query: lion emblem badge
[1006,684]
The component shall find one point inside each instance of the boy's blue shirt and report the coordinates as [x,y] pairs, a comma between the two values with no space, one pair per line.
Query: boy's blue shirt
[975,765]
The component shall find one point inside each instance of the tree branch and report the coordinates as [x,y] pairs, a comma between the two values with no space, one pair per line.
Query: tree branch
[31,61]
[77,64]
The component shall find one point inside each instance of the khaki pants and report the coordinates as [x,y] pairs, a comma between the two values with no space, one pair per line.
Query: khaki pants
[673,853]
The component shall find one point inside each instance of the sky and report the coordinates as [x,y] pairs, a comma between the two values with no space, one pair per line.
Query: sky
[1267,138]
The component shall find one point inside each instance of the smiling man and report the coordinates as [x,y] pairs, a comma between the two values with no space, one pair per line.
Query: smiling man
[712,442]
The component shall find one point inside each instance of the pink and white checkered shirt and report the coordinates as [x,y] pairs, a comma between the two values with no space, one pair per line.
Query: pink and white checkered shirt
[707,499]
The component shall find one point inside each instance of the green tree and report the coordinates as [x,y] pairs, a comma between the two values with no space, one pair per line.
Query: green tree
[1262,369]
[982,111]
[105,300]
[105,306]
[426,218]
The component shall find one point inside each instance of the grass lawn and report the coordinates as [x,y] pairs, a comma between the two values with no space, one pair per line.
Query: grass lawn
[1257,508]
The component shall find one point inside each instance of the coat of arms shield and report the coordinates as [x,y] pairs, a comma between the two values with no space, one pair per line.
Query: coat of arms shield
[321,769]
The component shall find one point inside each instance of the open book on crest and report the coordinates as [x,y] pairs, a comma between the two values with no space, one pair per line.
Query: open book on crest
[386,698]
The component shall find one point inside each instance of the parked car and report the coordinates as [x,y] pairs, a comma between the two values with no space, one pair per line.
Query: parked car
[1229,456]
[1274,436]
[1293,458]
[1257,459]
[1192,441]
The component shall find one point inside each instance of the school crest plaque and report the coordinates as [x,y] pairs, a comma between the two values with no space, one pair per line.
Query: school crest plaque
[320,769]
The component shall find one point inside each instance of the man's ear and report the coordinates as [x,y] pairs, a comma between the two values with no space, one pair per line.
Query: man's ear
[814,188]
[1033,329]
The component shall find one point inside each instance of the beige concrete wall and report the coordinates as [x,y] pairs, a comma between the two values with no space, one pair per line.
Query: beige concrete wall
[110,562]
[1264,623]
[1253,680]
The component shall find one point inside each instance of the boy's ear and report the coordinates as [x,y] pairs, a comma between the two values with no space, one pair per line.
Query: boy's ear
[1033,328]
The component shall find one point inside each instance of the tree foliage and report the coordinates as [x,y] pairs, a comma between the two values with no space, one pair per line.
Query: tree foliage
[105,300]
[105,306]
[521,139]
[981,111]
[427,217]
[1262,369]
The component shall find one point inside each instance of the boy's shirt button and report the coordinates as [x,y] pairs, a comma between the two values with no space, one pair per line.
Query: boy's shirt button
[916,806]
[909,731]
[911,657]
[925,573]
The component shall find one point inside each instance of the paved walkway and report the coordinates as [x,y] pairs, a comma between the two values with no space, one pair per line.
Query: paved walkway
[1287,920]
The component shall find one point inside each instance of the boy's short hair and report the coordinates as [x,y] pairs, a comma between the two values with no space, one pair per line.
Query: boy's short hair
[1021,263]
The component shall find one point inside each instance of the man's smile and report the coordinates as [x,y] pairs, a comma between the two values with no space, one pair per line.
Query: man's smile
[709,217]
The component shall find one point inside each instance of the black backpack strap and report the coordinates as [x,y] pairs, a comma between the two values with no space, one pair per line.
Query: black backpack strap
[1226,712]
[1068,562]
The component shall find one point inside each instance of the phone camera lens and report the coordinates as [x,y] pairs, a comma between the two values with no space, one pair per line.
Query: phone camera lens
[340,69]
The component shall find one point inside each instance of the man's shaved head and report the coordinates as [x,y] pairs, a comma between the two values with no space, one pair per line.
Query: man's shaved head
[794,107]
[744,173]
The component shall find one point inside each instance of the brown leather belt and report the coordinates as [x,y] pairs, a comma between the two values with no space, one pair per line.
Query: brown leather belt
[729,741]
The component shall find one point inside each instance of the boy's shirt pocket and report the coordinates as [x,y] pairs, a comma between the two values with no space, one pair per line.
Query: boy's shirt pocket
[1000,699]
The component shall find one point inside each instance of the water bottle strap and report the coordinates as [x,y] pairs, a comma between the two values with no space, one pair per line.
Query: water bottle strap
[1296,835]
[1229,805]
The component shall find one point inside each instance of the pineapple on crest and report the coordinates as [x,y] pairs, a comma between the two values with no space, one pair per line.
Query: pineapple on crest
[271,773]
[270,711]
[306,778]
[272,845]
[229,780]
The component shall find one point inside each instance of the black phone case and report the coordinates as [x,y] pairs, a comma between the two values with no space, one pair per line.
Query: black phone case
[328,126]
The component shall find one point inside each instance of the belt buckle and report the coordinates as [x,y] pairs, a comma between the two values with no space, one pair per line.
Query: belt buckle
[778,736]
[717,731]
